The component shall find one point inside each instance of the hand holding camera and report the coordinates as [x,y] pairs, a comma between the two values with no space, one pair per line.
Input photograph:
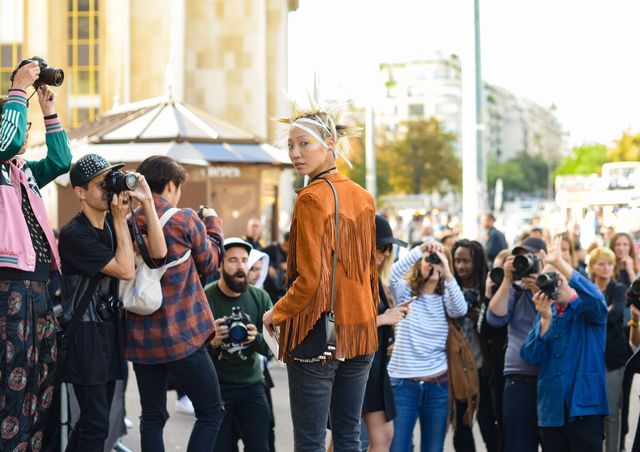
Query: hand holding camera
[543,305]
[436,256]
[46,75]
[25,76]
[47,100]
[205,211]
[234,329]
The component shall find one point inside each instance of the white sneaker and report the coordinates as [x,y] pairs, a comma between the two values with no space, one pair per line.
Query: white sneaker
[183,405]
[128,423]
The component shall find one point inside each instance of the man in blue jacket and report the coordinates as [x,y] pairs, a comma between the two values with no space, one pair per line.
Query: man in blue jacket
[567,343]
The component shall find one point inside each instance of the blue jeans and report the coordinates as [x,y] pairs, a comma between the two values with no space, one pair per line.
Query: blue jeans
[429,402]
[333,390]
[197,376]
[519,414]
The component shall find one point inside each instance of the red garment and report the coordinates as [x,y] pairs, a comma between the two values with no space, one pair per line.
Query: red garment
[184,322]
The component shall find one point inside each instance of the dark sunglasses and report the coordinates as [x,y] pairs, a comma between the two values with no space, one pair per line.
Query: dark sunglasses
[386,248]
[28,126]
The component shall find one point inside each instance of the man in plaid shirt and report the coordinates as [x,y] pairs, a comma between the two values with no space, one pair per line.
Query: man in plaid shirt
[171,339]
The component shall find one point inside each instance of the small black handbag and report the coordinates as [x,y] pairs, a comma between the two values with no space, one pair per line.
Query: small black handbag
[320,342]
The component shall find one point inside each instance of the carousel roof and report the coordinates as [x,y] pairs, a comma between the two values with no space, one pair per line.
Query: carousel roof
[164,126]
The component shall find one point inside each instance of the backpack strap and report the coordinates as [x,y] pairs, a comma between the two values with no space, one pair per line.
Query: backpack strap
[167,216]
[163,221]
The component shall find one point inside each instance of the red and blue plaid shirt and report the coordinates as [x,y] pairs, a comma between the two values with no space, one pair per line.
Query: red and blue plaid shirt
[184,322]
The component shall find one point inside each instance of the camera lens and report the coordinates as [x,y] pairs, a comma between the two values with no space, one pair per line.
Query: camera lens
[238,332]
[51,76]
[131,181]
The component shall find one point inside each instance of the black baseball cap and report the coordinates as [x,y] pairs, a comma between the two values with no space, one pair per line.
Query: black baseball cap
[532,244]
[89,166]
[384,235]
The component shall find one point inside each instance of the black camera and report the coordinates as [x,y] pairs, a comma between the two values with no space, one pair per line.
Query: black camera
[51,76]
[116,182]
[200,212]
[472,297]
[525,265]
[237,323]
[496,275]
[548,283]
[433,259]
[633,293]
[108,307]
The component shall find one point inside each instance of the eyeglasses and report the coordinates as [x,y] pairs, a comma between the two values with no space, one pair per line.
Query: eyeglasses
[28,126]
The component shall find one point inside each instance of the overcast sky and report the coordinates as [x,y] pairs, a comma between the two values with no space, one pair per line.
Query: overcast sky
[580,55]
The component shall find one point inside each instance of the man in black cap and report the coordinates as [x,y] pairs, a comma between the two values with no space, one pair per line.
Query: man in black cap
[513,305]
[96,244]
[236,347]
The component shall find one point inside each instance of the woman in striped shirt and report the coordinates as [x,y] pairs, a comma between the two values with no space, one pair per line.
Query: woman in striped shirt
[418,365]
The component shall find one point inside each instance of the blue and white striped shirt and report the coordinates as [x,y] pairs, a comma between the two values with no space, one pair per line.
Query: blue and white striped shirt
[421,337]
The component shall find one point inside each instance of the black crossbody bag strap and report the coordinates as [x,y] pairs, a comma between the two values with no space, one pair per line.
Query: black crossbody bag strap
[335,251]
[73,325]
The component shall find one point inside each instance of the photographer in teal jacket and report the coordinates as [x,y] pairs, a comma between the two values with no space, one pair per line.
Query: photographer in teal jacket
[567,342]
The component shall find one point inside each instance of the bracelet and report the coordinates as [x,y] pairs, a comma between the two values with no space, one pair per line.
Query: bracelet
[633,324]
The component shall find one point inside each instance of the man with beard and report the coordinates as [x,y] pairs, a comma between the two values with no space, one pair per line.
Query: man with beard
[238,308]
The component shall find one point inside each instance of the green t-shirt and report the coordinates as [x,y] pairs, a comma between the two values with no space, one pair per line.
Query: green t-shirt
[239,366]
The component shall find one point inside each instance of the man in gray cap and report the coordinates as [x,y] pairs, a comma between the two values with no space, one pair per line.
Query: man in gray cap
[235,349]
[96,246]
[513,305]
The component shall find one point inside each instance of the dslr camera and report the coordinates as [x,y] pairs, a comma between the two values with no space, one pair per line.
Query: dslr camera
[116,182]
[237,323]
[633,294]
[472,297]
[548,284]
[433,259]
[108,307]
[51,76]
[525,265]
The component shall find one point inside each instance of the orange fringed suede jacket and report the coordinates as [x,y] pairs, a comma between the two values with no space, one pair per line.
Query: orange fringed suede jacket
[311,241]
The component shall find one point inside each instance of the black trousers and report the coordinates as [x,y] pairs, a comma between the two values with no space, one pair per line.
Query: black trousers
[92,428]
[246,407]
[582,434]
[463,435]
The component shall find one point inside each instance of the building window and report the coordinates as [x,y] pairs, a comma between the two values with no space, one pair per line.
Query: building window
[416,110]
[10,56]
[83,34]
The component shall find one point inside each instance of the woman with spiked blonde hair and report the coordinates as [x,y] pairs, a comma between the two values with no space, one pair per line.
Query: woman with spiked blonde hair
[331,388]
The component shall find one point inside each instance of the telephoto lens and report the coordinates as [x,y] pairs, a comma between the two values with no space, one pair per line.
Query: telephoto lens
[633,293]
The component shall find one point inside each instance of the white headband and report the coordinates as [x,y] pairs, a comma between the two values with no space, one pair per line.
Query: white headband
[331,129]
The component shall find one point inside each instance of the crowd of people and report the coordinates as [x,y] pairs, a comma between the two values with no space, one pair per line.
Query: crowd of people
[377,334]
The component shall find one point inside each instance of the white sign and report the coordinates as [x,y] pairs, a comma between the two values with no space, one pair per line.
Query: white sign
[224,171]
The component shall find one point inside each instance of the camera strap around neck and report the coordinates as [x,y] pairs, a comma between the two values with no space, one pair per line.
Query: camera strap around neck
[142,245]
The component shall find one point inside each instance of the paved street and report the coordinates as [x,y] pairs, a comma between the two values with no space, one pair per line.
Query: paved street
[176,433]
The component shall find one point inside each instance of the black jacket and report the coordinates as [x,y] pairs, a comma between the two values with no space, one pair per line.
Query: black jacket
[617,350]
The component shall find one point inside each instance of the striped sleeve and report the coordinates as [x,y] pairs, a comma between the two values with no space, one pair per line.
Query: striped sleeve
[400,289]
[58,159]
[454,300]
[13,125]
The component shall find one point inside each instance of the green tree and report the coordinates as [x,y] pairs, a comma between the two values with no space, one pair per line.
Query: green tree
[420,160]
[585,159]
[524,173]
